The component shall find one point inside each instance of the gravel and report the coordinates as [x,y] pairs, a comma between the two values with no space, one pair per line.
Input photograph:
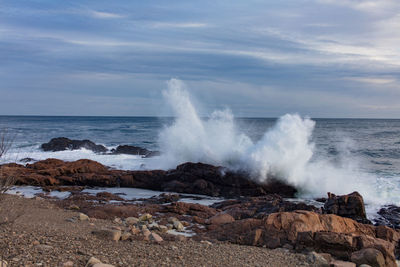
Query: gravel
[34,232]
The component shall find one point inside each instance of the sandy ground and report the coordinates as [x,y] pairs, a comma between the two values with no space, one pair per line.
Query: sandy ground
[34,232]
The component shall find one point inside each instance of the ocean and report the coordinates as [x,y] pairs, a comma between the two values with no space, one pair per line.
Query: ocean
[314,155]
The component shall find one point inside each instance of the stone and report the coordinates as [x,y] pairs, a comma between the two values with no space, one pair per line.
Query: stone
[92,261]
[102,265]
[155,237]
[83,217]
[338,263]
[117,220]
[145,217]
[163,228]
[67,264]
[114,235]
[146,234]
[44,247]
[135,230]
[221,218]
[62,143]
[178,226]
[125,236]
[370,256]
[3,263]
[317,259]
[73,207]
[131,220]
[349,206]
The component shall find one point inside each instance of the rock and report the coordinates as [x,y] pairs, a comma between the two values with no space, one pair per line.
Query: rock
[317,259]
[135,230]
[338,263]
[365,265]
[130,150]
[178,226]
[206,242]
[221,218]
[145,217]
[102,265]
[73,207]
[44,247]
[163,228]
[26,160]
[146,234]
[155,237]
[192,178]
[117,220]
[125,236]
[114,235]
[390,216]
[92,261]
[83,217]
[370,256]
[349,206]
[62,143]
[131,220]
[3,263]
[67,264]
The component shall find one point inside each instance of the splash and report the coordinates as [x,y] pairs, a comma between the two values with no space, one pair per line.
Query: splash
[285,151]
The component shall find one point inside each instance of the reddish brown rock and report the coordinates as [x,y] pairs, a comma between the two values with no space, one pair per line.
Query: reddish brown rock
[221,218]
[193,178]
[349,206]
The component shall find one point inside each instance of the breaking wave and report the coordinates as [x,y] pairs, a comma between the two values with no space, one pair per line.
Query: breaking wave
[285,151]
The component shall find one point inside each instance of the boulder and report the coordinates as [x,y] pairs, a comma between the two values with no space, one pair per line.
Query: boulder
[390,216]
[221,218]
[63,143]
[349,206]
[110,234]
[130,150]
[370,256]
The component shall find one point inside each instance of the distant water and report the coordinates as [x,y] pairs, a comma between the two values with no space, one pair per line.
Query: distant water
[376,142]
[372,144]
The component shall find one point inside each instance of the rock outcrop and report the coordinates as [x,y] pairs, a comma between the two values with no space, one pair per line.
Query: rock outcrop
[342,237]
[192,178]
[349,206]
[63,143]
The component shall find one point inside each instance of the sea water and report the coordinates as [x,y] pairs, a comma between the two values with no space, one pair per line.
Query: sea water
[314,154]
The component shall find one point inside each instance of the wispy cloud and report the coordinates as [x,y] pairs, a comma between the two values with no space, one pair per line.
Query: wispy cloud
[179,25]
[104,15]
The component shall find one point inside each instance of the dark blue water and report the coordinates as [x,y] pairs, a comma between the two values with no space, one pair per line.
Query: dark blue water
[371,145]
[375,141]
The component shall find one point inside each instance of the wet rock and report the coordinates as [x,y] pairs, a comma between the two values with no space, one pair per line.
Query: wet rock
[390,216]
[130,150]
[63,143]
[370,256]
[194,178]
[26,160]
[349,206]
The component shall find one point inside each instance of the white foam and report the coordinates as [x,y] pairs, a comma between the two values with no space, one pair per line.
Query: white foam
[285,151]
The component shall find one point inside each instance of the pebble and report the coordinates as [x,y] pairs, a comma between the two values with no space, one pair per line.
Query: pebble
[178,226]
[83,217]
[68,264]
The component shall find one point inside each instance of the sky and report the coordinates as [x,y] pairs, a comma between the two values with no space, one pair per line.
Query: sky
[318,58]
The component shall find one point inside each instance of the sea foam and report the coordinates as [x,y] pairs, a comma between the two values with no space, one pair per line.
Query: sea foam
[285,151]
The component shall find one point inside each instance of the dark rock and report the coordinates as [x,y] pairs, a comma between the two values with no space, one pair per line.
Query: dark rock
[390,216]
[349,206]
[63,143]
[26,160]
[130,150]
[190,178]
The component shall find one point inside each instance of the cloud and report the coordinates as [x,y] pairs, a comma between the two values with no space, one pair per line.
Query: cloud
[179,25]
[104,15]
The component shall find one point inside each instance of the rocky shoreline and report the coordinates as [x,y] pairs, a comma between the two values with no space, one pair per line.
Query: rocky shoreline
[256,215]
